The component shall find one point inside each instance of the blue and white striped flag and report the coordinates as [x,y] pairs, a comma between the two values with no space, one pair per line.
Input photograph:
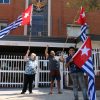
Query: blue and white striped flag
[11,26]
[24,19]
[84,32]
[87,65]
[89,68]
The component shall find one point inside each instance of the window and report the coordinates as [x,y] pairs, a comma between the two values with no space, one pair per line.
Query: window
[39,25]
[5,1]
[39,20]
[74,30]
[3,25]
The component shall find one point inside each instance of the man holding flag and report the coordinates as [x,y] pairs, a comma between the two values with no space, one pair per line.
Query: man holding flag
[83,58]
[77,75]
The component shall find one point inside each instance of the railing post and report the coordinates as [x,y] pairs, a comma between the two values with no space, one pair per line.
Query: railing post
[37,74]
[61,72]
[67,78]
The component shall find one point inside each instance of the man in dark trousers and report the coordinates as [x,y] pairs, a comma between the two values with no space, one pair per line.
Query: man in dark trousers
[76,74]
[54,67]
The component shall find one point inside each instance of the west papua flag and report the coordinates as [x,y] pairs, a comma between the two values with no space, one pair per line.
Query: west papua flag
[84,61]
[82,18]
[83,53]
[23,19]
[83,57]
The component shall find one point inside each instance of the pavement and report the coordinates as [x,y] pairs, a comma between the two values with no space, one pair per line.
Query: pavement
[39,94]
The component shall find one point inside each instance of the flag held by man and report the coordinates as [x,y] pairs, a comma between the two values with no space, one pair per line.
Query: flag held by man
[82,18]
[83,57]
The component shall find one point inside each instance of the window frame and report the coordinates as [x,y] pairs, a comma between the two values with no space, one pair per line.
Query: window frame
[5,3]
[72,32]
[4,24]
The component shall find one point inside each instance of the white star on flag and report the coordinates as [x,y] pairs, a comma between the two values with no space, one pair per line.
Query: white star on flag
[26,15]
[83,15]
[85,51]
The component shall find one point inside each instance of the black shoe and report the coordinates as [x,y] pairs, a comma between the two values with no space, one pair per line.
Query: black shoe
[50,93]
[59,92]
[22,92]
[76,99]
[87,99]
[30,92]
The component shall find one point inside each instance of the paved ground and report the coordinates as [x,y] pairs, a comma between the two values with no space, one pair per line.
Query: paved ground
[38,94]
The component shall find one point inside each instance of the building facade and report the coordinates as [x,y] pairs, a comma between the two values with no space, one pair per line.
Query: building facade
[55,11]
[54,19]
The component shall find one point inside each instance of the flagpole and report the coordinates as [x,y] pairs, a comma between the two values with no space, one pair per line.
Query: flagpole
[87,66]
[75,19]
[72,26]
[30,35]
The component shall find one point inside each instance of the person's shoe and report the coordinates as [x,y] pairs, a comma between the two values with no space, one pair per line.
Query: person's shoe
[59,92]
[76,99]
[30,92]
[22,92]
[87,99]
[50,93]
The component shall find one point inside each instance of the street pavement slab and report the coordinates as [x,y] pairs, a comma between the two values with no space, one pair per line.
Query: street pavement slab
[38,94]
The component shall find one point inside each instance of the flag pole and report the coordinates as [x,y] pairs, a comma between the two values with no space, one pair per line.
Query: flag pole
[30,35]
[72,26]
[76,17]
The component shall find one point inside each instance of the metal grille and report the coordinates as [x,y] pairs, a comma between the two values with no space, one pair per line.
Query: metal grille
[12,71]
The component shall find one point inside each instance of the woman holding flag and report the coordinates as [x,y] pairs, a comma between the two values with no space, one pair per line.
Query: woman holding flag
[30,71]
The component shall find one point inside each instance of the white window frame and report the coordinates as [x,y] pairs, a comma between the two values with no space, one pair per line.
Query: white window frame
[3,24]
[74,30]
[5,3]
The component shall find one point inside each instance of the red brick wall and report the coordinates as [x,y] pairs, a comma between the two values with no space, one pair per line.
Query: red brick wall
[56,17]
[93,20]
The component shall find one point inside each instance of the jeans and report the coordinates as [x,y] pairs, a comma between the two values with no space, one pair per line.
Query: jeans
[79,78]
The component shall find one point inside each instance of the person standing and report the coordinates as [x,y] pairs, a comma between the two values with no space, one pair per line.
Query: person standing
[76,74]
[30,71]
[54,67]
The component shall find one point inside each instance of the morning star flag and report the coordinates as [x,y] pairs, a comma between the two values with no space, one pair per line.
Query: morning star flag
[24,19]
[10,27]
[84,61]
[82,21]
[84,56]
[82,18]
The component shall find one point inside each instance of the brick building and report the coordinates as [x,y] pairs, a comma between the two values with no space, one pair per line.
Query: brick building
[49,25]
